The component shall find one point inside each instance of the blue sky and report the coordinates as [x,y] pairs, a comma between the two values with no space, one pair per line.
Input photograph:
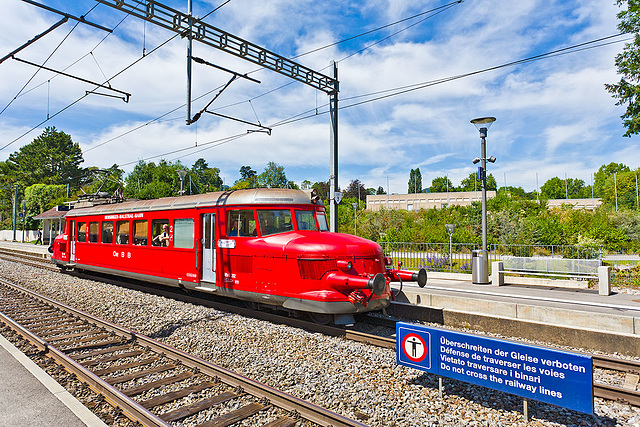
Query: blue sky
[554,116]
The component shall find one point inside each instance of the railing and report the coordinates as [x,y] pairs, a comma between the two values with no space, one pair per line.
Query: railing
[431,256]
[457,258]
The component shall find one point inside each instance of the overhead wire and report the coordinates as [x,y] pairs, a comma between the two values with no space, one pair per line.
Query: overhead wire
[45,61]
[77,60]
[49,117]
[410,88]
[436,10]
[85,95]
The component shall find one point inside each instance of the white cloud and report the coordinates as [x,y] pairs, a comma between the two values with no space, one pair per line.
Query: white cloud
[554,116]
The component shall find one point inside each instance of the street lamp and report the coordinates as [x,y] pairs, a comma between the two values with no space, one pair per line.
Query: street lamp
[483,124]
[450,228]
[182,173]
[355,218]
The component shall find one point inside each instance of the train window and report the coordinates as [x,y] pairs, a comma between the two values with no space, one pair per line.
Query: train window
[322,221]
[241,222]
[82,232]
[122,228]
[140,232]
[274,221]
[305,220]
[107,231]
[183,233]
[94,232]
[161,235]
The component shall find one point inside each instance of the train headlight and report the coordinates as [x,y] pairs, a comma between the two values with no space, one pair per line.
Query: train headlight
[345,266]
[388,260]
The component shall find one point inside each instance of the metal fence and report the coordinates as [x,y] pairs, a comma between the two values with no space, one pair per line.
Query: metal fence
[457,258]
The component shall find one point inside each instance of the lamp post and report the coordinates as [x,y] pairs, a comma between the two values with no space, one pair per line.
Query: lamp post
[182,173]
[483,124]
[450,228]
[355,218]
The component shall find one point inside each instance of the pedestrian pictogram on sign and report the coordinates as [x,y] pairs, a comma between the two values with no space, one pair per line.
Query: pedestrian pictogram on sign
[414,347]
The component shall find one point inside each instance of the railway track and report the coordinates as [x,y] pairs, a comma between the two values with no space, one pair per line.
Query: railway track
[147,380]
[628,368]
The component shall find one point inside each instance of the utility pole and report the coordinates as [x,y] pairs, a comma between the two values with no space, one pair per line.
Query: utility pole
[333,151]
[189,46]
[15,210]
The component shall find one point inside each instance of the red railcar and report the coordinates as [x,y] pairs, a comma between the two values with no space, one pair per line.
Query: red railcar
[261,245]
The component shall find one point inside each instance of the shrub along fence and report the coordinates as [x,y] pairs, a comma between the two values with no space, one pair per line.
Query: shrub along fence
[456,258]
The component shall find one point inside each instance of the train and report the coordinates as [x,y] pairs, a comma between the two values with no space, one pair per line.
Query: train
[263,246]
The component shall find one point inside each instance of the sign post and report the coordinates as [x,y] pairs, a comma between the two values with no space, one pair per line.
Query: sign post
[535,373]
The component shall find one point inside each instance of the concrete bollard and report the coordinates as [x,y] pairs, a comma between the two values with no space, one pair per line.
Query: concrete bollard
[604,280]
[497,276]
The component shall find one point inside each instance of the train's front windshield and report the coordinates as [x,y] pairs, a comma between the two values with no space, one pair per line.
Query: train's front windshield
[306,220]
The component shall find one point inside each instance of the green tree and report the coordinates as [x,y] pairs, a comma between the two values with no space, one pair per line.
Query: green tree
[356,190]
[605,173]
[306,184]
[620,190]
[322,188]
[627,90]
[151,181]
[205,178]
[52,158]
[273,176]
[472,183]
[248,179]
[41,197]
[441,184]
[556,188]
[103,180]
[380,191]
[415,181]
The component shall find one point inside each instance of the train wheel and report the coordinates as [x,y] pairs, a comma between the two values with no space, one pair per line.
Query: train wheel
[321,318]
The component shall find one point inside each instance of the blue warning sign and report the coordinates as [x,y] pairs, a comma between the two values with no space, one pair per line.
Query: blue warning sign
[557,377]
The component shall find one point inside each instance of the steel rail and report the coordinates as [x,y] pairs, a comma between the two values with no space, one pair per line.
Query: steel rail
[306,410]
[115,397]
[602,362]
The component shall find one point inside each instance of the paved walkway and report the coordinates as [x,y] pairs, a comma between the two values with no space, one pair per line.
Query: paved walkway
[30,397]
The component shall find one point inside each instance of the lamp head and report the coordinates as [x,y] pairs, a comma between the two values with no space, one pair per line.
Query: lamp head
[476,160]
[182,173]
[450,228]
[491,159]
[483,122]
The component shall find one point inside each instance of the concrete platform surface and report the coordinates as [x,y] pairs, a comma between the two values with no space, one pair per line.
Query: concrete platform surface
[30,397]
[26,247]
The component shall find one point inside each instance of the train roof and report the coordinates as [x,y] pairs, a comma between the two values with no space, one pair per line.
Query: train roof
[254,196]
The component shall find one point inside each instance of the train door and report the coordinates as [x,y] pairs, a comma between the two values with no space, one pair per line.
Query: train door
[72,240]
[209,247]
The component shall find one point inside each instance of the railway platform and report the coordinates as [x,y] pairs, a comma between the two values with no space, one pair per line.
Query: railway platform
[30,397]
[26,248]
